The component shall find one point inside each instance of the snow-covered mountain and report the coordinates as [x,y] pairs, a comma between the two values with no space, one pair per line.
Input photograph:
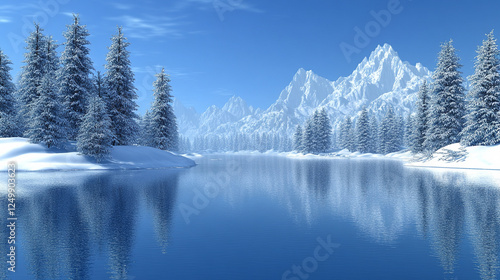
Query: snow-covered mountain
[379,81]
[188,119]
[382,79]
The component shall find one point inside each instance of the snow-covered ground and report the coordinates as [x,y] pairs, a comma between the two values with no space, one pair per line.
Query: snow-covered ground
[452,156]
[403,155]
[34,157]
[456,156]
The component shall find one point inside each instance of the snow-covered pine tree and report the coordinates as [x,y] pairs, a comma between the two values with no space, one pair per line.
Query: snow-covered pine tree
[388,133]
[32,73]
[482,126]
[374,140]
[48,125]
[297,139]
[74,76]
[400,131]
[8,106]
[447,101]
[187,145]
[334,139]
[309,137]
[95,136]
[146,138]
[363,132]
[99,86]
[407,130]
[346,135]
[121,91]
[163,122]
[420,124]
[323,131]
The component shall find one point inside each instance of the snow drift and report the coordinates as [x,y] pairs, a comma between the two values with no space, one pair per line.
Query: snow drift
[457,156]
[35,157]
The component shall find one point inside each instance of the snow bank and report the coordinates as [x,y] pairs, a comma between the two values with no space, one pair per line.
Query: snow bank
[403,155]
[34,157]
[457,156]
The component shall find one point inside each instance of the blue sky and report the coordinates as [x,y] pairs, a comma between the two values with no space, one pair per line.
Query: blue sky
[214,49]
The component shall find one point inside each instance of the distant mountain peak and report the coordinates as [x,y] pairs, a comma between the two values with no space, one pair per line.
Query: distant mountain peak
[379,81]
[237,107]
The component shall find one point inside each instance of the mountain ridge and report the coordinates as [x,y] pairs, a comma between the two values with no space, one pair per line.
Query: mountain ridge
[379,81]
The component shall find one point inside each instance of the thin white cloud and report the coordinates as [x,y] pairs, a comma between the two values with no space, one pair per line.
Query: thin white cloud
[4,19]
[27,10]
[217,5]
[223,92]
[149,26]
[121,6]
[68,14]
[12,8]
[153,70]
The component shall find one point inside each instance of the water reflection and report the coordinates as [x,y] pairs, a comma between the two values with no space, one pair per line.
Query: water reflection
[68,221]
[64,223]
[386,199]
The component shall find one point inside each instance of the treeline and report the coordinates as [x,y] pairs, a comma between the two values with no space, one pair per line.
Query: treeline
[315,137]
[446,115]
[261,142]
[61,99]
[367,135]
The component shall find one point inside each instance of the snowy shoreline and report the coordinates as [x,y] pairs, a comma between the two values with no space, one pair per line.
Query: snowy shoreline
[453,156]
[458,157]
[35,157]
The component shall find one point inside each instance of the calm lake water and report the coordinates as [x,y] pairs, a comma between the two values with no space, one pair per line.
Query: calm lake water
[257,217]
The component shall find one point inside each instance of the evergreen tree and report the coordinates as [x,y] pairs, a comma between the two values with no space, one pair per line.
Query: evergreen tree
[374,140]
[121,91]
[297,139]
[74,76]
[323,131]
[146,131]
[8,106]
[400,131]
[32,73]
[447,101]
[363,132]
[421,121]
[334,139]
[408,131]
[99,87]
[51,60]
[95,136]
[346,135]
[309,137]
[163,122]
[482,126]
[388,133]
[47,123]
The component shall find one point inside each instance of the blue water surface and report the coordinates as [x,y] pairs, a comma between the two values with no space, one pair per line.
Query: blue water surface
[257,217]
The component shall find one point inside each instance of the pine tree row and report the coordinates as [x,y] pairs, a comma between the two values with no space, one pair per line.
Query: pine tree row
[59,98]
[316,135]
[241,142]
[446,115]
